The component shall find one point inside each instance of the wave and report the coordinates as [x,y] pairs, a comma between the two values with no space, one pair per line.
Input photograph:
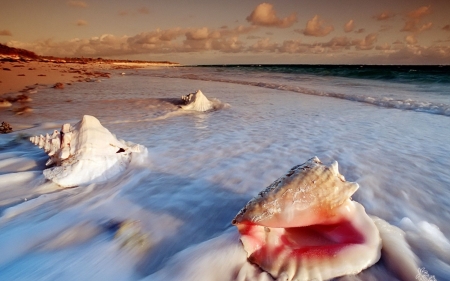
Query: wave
[386,102]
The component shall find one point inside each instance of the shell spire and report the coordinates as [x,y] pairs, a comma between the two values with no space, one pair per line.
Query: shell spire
[196,101]
[311,190]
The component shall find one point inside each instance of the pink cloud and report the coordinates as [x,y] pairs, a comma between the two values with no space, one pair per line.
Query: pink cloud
[198,34]
[81,23]
[383,47]
[349,26]
[367,43]
[425,27]
[384,15]
[5,32]
[315,27]
[264,15]
[263,45]
[411,39]
[77,4]
[413,19]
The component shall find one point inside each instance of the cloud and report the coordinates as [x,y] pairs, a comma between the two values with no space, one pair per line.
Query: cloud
[361,30]
[265,15]
[413,19]
[446,28]
[411,39]
[198,34]
[143,10]
[81,23]
[77,4]
[349,26]
[228,40]
[315,27]
[425,27]
[5,32]
[384,16]
[338,43]
[384,47]
[263,45]
[367,43]
[122,13]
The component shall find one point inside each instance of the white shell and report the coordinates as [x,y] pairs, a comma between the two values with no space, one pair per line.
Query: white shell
[196,101]
[84,153]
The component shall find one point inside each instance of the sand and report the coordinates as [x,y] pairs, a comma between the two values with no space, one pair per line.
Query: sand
[16,76]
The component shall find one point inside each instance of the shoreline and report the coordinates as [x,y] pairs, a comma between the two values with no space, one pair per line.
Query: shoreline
[19,76]
[20,79]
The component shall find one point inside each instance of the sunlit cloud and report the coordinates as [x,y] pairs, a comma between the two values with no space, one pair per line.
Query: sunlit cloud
[425,27]
[367,43]
[199,34]
[384,15]
[411,39]
[263,45]
[383,47]
[232,40]
[338,43]
[315,27]
[143,10]
[349,26]
[265,15]
[77,4]
[81,23]
[413,19]
[5,32]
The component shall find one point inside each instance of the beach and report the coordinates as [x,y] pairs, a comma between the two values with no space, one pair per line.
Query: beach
[388,135]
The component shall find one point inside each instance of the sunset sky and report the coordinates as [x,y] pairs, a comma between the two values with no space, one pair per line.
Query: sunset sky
[233,31]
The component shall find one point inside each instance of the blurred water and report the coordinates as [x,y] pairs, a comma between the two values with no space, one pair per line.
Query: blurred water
[203,167]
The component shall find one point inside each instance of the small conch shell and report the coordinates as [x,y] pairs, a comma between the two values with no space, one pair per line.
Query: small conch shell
[305,227]
[196,101]
[84,153]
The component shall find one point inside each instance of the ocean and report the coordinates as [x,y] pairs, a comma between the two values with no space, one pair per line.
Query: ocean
[388,127]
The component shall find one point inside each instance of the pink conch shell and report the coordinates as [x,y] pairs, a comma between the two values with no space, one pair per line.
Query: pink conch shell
[84,153]
[196,101]
[305,227]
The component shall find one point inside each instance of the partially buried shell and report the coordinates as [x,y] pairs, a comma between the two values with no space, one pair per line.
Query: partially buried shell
[84,153]
[305,227]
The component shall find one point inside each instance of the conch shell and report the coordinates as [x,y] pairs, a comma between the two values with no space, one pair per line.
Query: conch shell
[196,101]
[304,226]
[84,153]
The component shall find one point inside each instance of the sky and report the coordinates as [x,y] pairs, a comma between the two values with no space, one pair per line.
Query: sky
[233,31]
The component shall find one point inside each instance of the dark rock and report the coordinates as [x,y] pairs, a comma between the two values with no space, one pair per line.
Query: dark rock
[5,128]
[59,86]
